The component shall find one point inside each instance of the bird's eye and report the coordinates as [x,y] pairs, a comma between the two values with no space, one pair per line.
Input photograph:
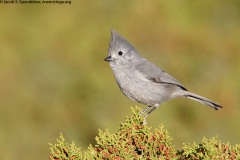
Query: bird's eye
[120,53]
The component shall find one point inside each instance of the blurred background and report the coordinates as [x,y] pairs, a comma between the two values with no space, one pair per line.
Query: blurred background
[53,78]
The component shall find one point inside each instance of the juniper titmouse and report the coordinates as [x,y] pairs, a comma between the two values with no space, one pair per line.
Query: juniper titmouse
[142,81]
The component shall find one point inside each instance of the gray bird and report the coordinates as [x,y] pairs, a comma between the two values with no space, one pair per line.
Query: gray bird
[142,81]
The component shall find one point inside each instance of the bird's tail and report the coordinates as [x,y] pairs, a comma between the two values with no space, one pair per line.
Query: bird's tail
[203,100]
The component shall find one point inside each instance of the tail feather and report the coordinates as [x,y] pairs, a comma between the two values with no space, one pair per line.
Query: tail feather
[203,100]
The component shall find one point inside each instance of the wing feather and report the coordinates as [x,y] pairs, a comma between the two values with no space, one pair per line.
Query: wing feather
[156,74]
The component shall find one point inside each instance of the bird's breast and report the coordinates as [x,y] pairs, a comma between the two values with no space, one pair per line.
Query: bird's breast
[137,87]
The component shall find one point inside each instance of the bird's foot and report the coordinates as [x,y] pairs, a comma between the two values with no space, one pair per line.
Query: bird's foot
[145,121]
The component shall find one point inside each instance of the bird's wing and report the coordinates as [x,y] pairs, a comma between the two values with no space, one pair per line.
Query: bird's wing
[157,75]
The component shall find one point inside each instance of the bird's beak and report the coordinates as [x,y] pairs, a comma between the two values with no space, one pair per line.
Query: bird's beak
[108,59]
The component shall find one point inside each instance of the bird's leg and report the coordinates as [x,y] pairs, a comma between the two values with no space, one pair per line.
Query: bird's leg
[144,111]
[149,112]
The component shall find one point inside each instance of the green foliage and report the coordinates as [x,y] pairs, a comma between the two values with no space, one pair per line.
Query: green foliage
[210,149]
[63,150]
[133,140]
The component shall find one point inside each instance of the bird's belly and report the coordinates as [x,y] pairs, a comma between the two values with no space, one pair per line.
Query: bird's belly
[142,90]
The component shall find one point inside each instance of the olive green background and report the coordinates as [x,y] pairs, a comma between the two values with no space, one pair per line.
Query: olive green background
[53,77]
